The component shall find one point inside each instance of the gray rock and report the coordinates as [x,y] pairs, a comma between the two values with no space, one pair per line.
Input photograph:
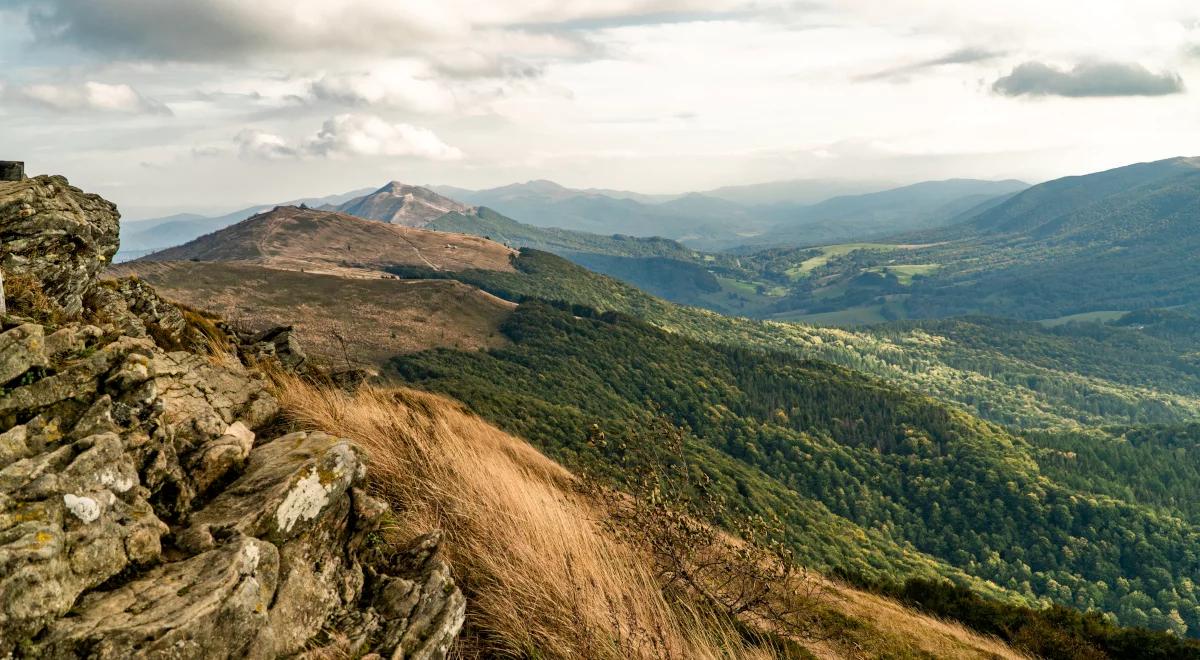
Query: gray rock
[12,170]
[208,606]
[57,236]
[21,349]
[278,344]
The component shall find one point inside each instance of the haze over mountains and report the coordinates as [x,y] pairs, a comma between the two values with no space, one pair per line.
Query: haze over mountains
[801,212]
[1107,242]
[778,214]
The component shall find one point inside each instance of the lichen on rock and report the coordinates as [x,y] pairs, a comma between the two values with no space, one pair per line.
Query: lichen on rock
[147,507]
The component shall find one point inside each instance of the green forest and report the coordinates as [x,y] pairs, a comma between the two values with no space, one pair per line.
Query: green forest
[926,487]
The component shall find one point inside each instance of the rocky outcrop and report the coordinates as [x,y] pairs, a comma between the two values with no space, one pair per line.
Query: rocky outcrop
[12,170]
[278,344]
[56,236]
[149,508]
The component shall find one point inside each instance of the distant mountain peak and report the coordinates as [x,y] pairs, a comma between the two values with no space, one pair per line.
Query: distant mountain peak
[400,203]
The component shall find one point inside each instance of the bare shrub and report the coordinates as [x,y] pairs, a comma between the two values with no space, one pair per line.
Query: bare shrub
[747,575]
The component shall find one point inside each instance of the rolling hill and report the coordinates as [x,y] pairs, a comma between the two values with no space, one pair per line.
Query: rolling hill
[1103,243]
[293,237]
[390,316]
[546,204]
[782,214]
[145,236]
[926,205]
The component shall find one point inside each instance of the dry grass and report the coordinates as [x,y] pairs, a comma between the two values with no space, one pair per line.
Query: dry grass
[884,628]
[292,238]
[542,577]
[379,318]
[26,297]
[545,577]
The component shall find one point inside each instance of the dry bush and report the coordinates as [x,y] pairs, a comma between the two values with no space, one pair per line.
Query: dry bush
[543,575]
[26,297]
[751,577]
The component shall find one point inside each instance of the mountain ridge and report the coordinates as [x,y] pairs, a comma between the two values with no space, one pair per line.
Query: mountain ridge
[401,204]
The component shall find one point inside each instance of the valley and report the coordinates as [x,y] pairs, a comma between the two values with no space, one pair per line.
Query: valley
[857,441]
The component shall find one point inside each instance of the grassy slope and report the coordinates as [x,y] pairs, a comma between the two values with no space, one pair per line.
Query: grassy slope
[388,316]
[544,579]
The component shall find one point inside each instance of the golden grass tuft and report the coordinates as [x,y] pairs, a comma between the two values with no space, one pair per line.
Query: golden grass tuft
[26,297]
[542,577]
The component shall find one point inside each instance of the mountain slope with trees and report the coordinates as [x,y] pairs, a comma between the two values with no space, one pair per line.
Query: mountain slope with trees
[872,456]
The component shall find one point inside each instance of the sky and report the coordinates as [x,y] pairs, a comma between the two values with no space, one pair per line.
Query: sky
[208,105]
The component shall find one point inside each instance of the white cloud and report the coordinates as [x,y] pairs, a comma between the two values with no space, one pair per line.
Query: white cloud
[89,96]
[349,136]
[587,91]
[253,143]
[389,86]
[369,135]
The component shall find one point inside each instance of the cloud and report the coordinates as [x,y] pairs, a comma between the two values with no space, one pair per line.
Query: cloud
[1088,79]
[472,64]
[350,135]
[253,143]
[966,55]
[89,96]
[391,88]
[368,135]
[224,29]
[219,30]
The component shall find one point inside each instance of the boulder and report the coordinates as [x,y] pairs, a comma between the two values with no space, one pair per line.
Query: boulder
[278,345]
[55,237]
[21,349]
[12,170]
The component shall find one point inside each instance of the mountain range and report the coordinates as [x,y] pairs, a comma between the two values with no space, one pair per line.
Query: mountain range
[1102,243]
[730,218]
[860,443]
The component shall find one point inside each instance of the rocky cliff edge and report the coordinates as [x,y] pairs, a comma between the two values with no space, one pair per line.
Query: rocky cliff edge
[151,505]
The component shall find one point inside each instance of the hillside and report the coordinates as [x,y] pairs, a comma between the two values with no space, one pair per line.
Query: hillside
[389,317]
[862,477]
[294,238]
[145,236]
[1143,370]
[548,573]
[1109,242]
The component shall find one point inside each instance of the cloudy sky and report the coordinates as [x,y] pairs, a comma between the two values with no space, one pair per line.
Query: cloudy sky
[211,104]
